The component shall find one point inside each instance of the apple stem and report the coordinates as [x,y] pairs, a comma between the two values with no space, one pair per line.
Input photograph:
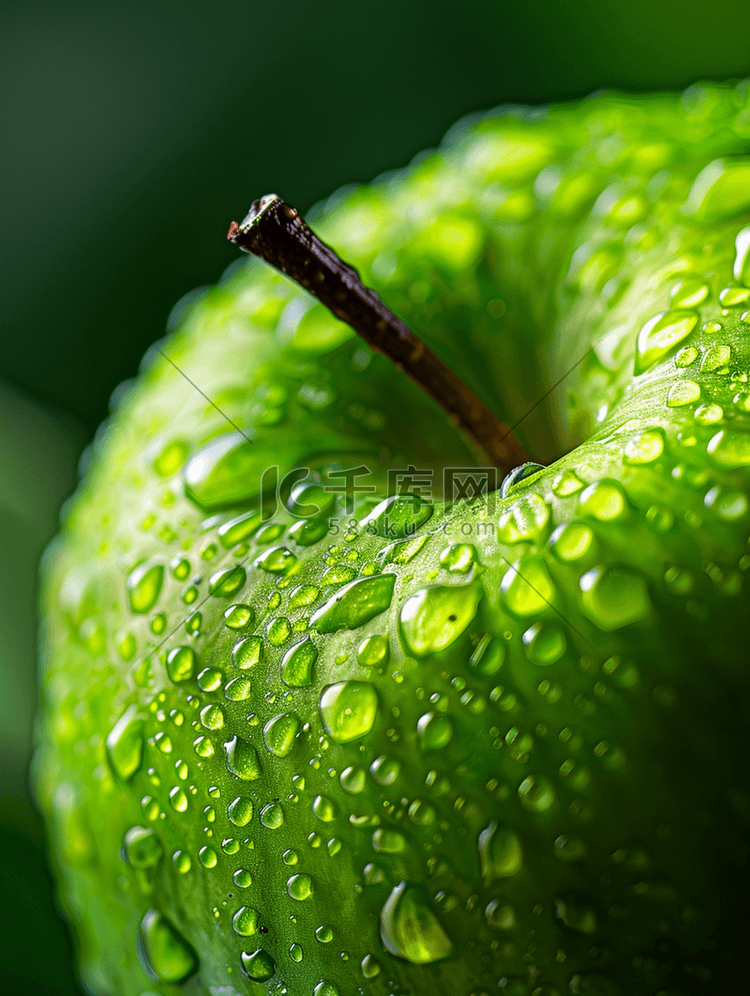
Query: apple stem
[276,233]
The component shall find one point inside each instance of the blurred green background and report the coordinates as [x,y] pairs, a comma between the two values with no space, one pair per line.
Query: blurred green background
[133,134]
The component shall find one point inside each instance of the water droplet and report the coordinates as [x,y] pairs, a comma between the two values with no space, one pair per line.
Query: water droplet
[240,529]
[247,653]
[684,392]
[279,733]
[488,657]
[227,582]
[571,541]
[209,679]
[536,793]
[276,560]
[709,414]
[238,616]
[397,516]
[604,500]
[742,256]
[348,710]
[325,989]
[721,190]
[242,759]
[238,690]
[324,934]
[279,631]
[370,967]
[434,731]
[527,588]
[524,520]
[355,604]
[324,808]
[686,356]
[125,744]
[410,930]
[566,483]
[242,878]
[212,717]
[171,458]
[402,551]
[141,848]
[544,644]
[240,811]
[168,956]
[374,651]
[500,915]
[644,447]
[182,862]
[144,585]
[258,965]
[352,780]
[500,852]
[613,597]
[385,770]
[296,953]
[730,449]
[299,887]
[661,334]
[309,500]
[245,921]
[689,293]
[272,816]
[180,663]
[434,618]
[715,358]
[298,663]
[208,857]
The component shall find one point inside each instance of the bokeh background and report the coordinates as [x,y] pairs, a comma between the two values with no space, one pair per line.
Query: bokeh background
[133,133]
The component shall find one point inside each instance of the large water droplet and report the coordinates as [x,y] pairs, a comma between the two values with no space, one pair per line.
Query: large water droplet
[141,848]
[374,651]
[613,597]
[410,930]
[299,887]
[434,618]
[242,759]
[730,449]
[524,520]
[684,392]
[661,334]
[240,811]
[536,793]
[245,921]
[399,515]
[180,663]
[355,604]
[500,853]
[298,663]
[518,474]
[258,965]
[247,653]
[125,744]
[279,733]
[604,500]
[168,956]
[348,710]
[434,730]
[644,447]
[144,584]
[571,541]
[227,582]
[527,588]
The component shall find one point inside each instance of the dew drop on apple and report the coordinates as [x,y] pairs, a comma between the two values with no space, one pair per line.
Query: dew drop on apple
[348,710]
[144,585]
[410,930]
[355,604]
[374,651]
[536,793]
[644,447]
[245,921]
[299,887]
[258,965]
[527,588]
[141,848]
[613,597]
[434,618]
[661,334]
[272,816]
[434,730]
[125,744]
[500,852]
[242,759]
[167,954]
[280,732]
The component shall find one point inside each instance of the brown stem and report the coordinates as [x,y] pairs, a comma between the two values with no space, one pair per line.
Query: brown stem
[276,233]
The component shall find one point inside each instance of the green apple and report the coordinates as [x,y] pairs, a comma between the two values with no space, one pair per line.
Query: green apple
[362,742]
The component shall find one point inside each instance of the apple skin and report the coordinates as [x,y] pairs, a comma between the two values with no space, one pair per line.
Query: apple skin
[505,748]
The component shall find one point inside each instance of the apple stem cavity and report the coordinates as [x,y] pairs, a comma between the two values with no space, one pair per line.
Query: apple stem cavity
[275,232]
